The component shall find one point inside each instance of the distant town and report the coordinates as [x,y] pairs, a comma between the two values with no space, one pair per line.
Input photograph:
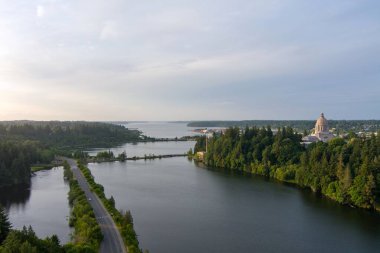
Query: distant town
[321,131]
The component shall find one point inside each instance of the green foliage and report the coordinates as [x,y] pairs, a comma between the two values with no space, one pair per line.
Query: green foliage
[68,134]
[79,154]
[346,171]
[67,172]
[122,156]
[5,225]
[190,153]
[23,143]
[78,248]
[362,189]
[105,155]
[87,235]
[26,241]
[123,220]
[200,145]
[16,159]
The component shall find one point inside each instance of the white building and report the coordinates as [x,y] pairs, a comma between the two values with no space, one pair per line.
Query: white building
[321,131]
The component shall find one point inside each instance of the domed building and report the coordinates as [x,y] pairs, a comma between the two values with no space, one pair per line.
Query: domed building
[321,124]
[321,131]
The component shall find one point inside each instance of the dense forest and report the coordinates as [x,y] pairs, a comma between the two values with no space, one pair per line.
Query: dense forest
[346,170]
[16,159]
[68,134]
[299,125]
[23,143]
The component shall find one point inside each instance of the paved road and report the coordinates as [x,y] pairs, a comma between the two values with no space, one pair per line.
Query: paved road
[112,241]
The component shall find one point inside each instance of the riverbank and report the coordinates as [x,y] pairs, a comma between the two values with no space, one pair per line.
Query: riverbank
[40,167]
[345,170]
[278,173]
[202,206]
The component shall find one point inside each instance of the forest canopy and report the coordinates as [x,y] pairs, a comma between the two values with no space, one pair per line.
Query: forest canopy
[346,170]
[23,143]
[68,134]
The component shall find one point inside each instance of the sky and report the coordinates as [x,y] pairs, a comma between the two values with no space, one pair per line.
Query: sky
[189,60]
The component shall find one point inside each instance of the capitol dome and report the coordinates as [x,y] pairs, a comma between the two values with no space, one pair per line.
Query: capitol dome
[321,131]
[321,126]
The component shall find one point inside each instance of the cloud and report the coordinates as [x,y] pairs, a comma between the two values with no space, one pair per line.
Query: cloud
[40,11]
[171,59]
[110,30]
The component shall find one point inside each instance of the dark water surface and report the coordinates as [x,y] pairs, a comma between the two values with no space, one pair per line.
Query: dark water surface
[179,207]
[146,148]
[43,204]
[161,129]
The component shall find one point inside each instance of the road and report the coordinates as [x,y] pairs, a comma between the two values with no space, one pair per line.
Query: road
[112,241]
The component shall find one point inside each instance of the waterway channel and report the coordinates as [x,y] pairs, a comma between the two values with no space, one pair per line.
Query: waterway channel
[43,204]
[179,206]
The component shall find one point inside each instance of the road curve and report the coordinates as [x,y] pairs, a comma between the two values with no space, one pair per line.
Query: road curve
[112,241]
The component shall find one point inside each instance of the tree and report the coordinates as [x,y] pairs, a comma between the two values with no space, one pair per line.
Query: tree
[340,168]
[122,156]
[112,201]
[346,170]
[5,225]
[347,179]
[361,191]
[26,241]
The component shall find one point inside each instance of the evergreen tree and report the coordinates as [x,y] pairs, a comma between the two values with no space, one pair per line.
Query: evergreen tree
[347,179]
[5,225]
[346,170]
[340,172]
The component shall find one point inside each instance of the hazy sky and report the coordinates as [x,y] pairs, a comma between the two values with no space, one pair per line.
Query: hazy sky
[187,60]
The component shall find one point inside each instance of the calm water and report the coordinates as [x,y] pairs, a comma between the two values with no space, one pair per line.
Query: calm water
[158,130]
[43,204]
[146,148]
[179,207]
[163,129]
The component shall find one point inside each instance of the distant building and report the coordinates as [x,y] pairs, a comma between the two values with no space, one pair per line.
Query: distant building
[321,132]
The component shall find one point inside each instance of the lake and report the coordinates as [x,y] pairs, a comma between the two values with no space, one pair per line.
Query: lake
[43,204]
[179,206]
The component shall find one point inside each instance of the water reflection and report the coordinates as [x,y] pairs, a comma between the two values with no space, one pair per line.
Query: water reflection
[43,204]
[15,196]
[216,211]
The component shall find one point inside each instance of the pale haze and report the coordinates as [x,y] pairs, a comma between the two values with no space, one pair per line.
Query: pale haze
[189,60]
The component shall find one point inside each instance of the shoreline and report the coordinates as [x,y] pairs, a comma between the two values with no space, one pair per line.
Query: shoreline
[376,206]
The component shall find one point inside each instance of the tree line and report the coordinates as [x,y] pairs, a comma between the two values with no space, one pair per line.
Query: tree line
[345,170]
[68,134]
[23,143]
[87,234]
[16,158]
[24,240]
[299,125]
[123,220]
